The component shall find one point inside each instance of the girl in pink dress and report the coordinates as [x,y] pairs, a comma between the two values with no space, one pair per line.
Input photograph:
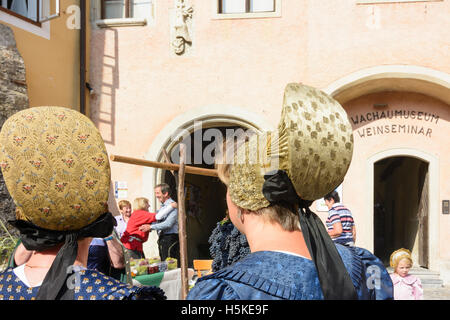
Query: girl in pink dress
[406,286]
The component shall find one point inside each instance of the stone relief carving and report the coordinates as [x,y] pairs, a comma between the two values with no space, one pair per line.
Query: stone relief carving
[181,37]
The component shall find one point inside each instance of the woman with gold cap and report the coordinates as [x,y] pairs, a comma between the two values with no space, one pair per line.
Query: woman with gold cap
[272,180]
[56,168]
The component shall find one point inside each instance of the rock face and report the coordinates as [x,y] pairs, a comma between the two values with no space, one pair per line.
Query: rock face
[13,98]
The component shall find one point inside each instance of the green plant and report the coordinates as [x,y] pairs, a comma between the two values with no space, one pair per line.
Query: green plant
[7,244]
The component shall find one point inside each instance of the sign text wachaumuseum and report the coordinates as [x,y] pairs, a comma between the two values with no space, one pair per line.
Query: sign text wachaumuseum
[388,128]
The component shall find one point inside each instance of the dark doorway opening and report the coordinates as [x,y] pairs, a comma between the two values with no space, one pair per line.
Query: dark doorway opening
[401,208]
[205,196]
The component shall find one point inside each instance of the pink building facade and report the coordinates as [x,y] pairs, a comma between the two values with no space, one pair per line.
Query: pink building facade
[172,68]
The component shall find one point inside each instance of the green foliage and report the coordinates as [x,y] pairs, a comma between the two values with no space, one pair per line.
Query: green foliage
[7,244]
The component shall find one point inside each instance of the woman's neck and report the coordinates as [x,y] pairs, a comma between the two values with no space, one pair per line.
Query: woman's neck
[46,258]
[266,236]
[37,266]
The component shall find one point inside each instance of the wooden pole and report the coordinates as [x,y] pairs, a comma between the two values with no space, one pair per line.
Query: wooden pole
[173,172]
[182,169]
[182,225]
[162,165]
[167,159]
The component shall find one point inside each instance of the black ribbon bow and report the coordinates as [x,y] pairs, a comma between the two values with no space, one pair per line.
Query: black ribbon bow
[334,278]
[55,286]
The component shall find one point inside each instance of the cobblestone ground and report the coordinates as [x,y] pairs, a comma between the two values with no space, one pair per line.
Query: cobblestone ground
[436,293]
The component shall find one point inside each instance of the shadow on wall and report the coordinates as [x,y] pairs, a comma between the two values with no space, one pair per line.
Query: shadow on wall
[104,75]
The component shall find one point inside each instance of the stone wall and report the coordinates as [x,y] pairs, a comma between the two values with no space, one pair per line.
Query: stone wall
[13,98]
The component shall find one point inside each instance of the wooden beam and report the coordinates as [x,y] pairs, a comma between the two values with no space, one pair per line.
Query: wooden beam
[166,166]
[182,225]
[167,159]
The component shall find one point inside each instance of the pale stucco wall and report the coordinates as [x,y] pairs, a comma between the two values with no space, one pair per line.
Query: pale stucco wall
[357,190]
[142,85]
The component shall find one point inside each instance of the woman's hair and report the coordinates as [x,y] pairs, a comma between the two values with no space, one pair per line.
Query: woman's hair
[140,203]
[223,171]
[288,220]
[124,203]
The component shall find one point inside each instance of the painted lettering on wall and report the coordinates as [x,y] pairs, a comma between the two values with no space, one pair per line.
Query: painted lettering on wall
[394,128]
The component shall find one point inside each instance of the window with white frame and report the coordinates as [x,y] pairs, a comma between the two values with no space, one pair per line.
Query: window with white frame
[28,10]
[246,6]
[120,9]
[226,9]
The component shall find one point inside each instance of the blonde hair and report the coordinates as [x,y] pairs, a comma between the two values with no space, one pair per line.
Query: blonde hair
[223,171]
[124,203]
[140,203]
[399,255]
[288,220]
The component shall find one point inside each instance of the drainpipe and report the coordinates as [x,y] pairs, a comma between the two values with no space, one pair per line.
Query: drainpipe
[83,56]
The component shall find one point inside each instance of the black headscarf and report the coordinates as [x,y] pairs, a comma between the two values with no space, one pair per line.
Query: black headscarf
[334,278]
[55,285]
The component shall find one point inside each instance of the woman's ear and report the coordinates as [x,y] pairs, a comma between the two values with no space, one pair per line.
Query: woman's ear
[243,213]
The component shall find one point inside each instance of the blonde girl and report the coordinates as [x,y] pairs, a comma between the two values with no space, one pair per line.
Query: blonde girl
[406,286]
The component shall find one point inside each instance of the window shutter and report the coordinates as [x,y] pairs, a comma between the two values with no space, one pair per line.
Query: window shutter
[44,10]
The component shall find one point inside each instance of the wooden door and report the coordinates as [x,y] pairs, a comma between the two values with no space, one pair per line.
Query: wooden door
[423,216]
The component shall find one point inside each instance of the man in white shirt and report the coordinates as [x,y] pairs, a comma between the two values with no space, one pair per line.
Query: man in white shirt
[166,225]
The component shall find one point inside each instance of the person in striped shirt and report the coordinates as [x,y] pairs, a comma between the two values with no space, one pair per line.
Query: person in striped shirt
[340,223]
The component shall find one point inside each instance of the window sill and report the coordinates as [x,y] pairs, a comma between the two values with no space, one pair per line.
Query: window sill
[121,22]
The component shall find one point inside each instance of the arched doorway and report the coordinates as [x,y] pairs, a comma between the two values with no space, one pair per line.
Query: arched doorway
[396,78]
[205,195]
[401,205]
[218,117]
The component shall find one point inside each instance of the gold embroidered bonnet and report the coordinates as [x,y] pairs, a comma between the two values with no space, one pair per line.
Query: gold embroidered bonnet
[55,166]
[313,144]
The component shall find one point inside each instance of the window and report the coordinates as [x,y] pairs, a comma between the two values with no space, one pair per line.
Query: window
[246,6]
[242,9]
[393,1]
[119,9]
[28,10]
